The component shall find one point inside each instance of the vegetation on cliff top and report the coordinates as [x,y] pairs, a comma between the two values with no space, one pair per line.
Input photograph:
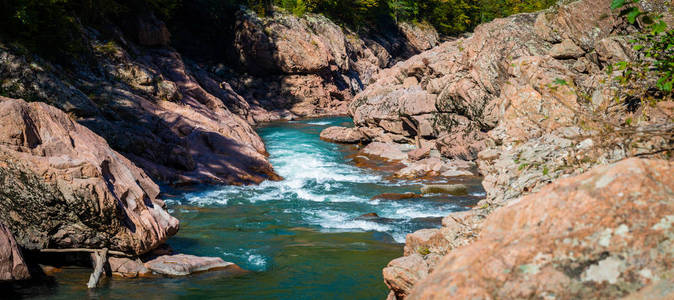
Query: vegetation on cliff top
[57,23]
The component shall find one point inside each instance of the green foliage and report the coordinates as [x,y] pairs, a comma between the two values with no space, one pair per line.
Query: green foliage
[655,56]
[53,27]
[447,16]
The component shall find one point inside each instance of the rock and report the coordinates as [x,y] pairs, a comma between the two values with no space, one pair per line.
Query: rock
[183,264]
[452,189]
[12,265]
[317,66]
[566,50]
[337,134]
[151,107]
[368,216]
[388,151]
[61,186]
[601,234]
[126,267]
[403,273]
[426,241]
[394,196]
[418,154]
[435,166]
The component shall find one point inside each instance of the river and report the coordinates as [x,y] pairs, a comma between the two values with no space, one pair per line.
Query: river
[302,237]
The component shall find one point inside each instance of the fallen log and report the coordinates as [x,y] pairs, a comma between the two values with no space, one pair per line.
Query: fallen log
[111,252]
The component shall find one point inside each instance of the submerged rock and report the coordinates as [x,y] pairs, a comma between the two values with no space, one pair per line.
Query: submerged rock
[127,267]
[602,234]
[452,189]
[12,265]
[61,186]
[394,196]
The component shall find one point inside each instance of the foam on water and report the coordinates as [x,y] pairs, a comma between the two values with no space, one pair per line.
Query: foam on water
[253,260]
[321,189]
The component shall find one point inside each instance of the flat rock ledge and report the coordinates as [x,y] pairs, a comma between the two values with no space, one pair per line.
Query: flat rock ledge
[184,264]
[170,265]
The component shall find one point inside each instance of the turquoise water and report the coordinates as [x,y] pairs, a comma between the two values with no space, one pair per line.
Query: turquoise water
[302,237]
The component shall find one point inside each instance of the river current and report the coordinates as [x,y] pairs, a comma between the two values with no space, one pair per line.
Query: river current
[301,237]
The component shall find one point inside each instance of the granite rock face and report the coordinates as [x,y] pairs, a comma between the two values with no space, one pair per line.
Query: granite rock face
[603,234]
[170,118]
[507,97]
[62,186]
[309,66]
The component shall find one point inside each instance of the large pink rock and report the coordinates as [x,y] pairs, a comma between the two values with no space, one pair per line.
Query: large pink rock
[12,265]
[604,234]
[61,186]
[183,264]
[344,135]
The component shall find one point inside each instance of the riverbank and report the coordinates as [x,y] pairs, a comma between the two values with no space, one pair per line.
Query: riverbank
[302,237]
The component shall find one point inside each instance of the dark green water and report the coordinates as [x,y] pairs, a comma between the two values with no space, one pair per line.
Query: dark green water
[301,237]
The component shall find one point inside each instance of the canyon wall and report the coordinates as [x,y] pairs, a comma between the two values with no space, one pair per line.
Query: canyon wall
[528,99]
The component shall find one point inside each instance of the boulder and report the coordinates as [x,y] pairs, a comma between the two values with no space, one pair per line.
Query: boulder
[389,151]
[344,135]
[418,154]
[62,186]
[604,234]
[183,264]
[566,50]
[436,166]
[394,196]
[401,274]
[452,189]
[12,265]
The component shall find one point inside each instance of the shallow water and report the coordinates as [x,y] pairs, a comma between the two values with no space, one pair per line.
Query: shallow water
[301,237]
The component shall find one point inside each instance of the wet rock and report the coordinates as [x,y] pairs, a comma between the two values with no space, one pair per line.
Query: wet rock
[394,196]
[12,265]
[126,267]
[368,216]
[183,264]
[597,235]
[344,135]
[452,189]
[62,186]
[403,273]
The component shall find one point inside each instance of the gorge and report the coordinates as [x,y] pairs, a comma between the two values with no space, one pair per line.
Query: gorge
[521,160]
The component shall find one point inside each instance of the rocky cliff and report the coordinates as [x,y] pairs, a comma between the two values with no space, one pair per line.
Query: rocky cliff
[309,66]
[169,118]
[61,186]
[526,97]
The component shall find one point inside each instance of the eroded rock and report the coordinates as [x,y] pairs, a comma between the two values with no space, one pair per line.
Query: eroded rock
[62,186]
